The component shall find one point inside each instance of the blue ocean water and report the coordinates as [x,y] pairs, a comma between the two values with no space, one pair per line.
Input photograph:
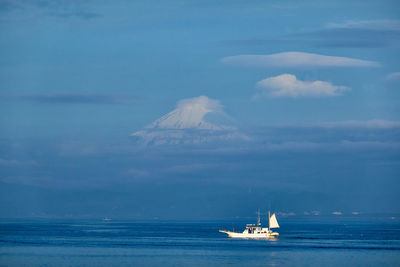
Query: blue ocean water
[303,242]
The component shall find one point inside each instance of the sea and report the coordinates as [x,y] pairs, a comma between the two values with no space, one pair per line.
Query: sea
[307,241]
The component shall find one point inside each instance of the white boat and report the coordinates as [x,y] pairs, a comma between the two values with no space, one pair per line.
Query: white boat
[253,231]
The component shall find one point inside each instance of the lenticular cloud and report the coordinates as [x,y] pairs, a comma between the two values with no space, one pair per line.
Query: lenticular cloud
[297,59]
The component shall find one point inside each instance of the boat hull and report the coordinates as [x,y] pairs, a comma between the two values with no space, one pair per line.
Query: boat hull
[271,235]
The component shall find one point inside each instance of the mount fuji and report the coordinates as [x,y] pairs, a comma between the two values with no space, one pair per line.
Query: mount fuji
[195,120]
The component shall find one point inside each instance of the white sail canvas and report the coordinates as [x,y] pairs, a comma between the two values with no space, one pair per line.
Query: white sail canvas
[273,223]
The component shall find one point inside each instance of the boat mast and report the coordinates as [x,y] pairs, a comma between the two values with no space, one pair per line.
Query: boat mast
[259,220]
[268,221]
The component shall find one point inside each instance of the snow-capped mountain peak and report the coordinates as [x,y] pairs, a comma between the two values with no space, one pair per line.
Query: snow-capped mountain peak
[194,121]
[194,113]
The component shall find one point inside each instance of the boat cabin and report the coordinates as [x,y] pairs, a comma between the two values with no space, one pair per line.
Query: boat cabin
[253,229]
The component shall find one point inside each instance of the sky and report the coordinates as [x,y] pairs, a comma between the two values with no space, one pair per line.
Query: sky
[198,109]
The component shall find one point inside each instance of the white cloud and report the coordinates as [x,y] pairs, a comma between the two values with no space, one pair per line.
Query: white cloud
[200,102]
[342,145]
[370,124]
[384,24]
[297,59]
[394,76]
[287,85]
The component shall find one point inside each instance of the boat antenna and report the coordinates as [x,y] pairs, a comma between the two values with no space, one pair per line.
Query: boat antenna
[259,220]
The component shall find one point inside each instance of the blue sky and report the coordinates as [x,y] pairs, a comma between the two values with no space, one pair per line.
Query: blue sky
[309,91]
